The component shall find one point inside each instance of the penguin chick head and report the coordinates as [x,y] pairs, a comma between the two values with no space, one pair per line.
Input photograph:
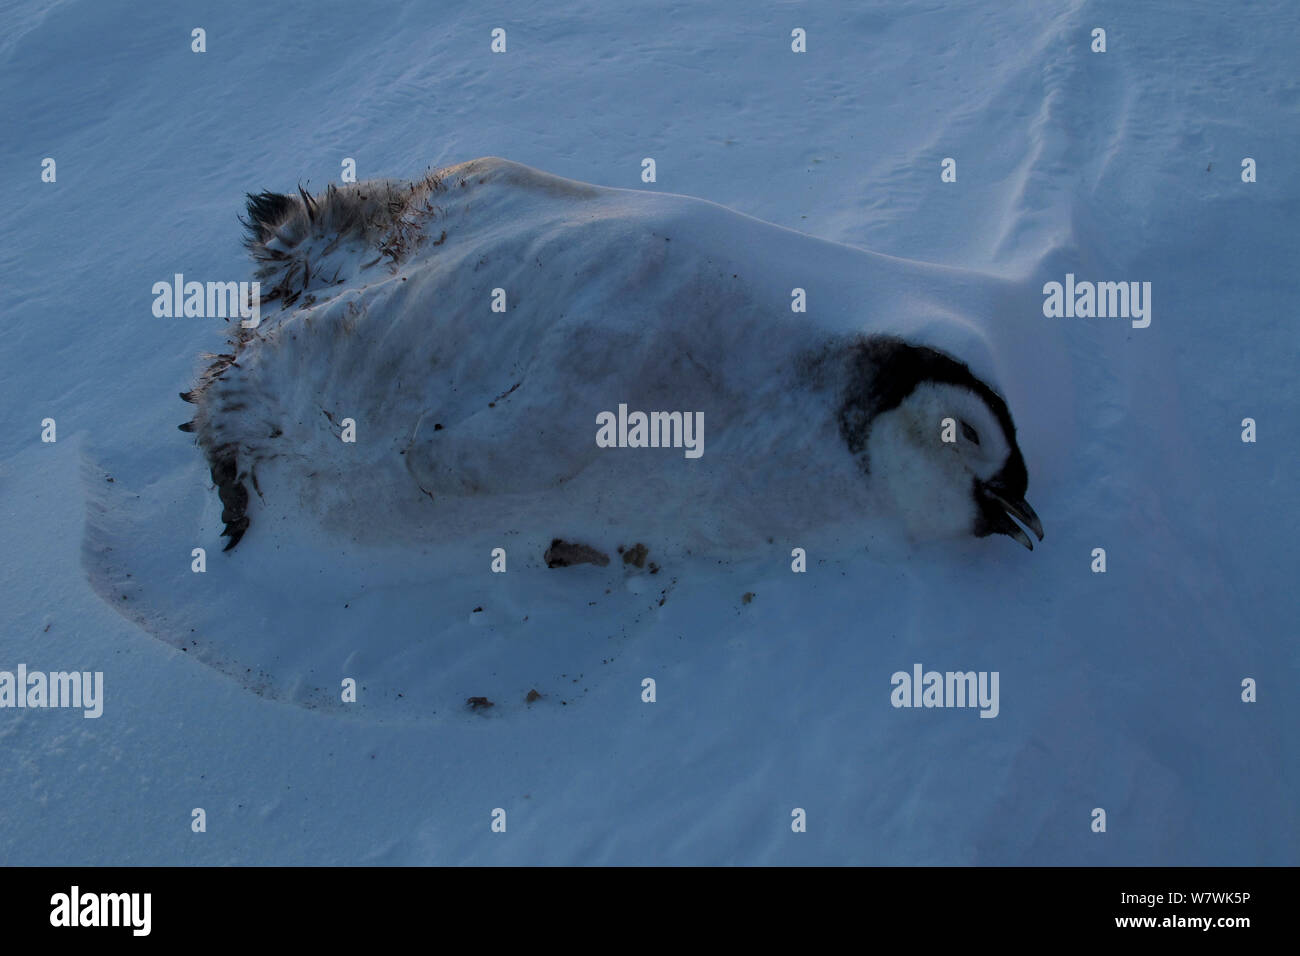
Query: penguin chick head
[938,443]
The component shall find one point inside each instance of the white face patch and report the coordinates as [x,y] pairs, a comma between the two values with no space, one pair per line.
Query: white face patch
[930,481]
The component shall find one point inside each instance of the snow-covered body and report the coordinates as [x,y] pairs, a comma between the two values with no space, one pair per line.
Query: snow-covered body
[469,420]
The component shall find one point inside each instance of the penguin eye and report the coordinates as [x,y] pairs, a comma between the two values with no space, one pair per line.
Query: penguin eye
[970,433]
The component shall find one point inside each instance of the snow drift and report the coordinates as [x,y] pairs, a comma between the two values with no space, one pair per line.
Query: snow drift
[445,349]
[1120,690]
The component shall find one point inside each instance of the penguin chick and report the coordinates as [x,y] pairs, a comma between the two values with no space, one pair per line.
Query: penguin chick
[446,350]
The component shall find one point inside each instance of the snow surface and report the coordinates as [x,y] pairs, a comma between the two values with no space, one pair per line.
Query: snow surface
[1118,691]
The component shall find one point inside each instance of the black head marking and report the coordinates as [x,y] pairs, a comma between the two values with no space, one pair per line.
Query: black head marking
[884,370]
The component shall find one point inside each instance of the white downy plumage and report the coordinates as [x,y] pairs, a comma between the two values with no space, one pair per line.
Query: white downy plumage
[472,422]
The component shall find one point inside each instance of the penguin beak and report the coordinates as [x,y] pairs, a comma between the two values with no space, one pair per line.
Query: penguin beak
[1005,507]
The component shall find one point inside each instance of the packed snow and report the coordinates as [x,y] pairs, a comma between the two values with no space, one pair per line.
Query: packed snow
[1119,690]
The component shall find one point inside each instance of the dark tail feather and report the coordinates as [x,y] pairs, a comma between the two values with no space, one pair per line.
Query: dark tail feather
[233,494]
[309,203]
[266,211]
[235,530]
